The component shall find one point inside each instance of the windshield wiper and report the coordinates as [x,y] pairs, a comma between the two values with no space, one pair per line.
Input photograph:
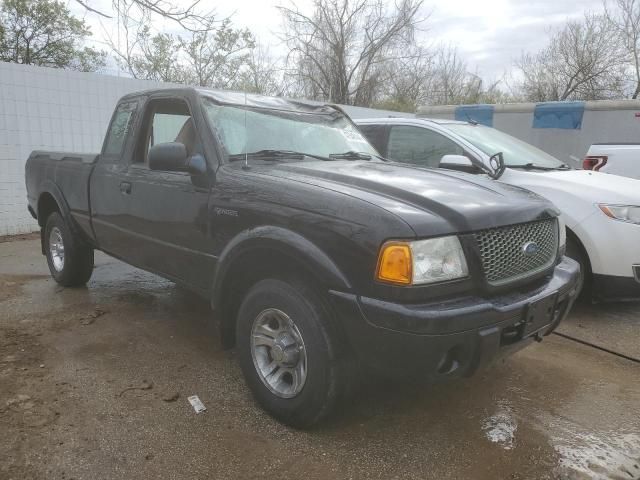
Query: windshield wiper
[272,154]
[351,155]
[533,166]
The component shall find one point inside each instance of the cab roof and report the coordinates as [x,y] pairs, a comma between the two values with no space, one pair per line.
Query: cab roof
[241,99]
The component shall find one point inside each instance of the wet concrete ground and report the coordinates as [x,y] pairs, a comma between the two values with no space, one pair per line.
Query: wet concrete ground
[94,384]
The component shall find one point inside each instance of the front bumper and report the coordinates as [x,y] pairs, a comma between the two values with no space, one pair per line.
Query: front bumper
[454,338]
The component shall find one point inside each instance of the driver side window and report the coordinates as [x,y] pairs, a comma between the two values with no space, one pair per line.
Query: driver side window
[168,120]
[420,146]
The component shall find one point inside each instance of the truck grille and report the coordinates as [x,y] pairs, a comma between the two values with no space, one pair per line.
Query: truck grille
[517,251]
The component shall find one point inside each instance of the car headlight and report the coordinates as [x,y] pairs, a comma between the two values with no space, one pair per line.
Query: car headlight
[422,261]
[625,213]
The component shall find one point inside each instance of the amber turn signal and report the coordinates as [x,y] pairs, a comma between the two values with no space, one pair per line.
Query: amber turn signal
[395,263]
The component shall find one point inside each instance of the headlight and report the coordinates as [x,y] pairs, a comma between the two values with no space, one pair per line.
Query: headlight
[422,261]
[625,213]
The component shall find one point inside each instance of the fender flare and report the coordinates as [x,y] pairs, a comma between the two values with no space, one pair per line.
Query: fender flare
[48,186]
[286,242]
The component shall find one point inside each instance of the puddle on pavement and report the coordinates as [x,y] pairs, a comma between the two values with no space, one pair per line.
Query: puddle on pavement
[501,427]
[601,456]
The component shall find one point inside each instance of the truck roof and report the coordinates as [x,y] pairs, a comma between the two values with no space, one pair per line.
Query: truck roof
[225,97]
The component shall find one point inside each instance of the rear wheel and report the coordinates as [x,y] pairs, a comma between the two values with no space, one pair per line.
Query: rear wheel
[575,252]
[69,258]
[290,352]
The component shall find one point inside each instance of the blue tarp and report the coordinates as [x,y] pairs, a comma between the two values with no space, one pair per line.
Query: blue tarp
[567,115]
[480,113]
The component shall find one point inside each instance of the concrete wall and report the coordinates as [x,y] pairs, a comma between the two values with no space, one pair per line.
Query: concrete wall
[603,121]
[49,109]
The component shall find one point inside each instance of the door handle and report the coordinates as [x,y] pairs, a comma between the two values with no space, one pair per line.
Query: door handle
[125,187]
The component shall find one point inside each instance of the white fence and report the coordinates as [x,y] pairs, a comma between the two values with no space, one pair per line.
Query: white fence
[52,109]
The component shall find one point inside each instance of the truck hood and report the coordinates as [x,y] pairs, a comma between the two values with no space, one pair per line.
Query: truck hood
[433,202]
[592,187]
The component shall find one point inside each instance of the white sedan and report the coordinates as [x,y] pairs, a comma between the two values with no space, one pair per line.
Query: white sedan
[601,212]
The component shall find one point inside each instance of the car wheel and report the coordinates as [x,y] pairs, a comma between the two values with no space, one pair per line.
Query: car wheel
[69,258]
[290,352]
[584,287]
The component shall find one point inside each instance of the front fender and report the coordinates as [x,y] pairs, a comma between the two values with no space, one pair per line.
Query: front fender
[286,242]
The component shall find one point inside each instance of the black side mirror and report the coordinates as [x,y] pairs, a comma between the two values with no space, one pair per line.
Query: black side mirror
[173,157]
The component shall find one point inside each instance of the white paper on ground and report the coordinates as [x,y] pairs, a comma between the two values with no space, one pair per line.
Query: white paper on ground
[196,403]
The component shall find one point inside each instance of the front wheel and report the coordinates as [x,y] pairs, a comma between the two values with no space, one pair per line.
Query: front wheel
[290,352]
[69,258]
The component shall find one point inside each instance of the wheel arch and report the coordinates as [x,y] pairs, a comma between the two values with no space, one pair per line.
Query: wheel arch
[267,252]
[571,235]
[51,200]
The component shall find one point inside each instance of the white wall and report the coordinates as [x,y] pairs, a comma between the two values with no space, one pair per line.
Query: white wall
[49,109]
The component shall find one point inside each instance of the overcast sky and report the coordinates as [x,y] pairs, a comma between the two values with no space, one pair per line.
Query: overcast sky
[489,33]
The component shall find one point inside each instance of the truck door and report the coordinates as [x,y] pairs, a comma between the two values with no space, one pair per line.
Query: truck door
[108,202]
[167,210]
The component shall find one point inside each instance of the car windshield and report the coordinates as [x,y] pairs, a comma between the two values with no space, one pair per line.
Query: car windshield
[250,130]
[516,153]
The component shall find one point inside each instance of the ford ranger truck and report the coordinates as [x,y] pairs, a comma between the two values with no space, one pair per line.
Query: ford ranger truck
[319,257]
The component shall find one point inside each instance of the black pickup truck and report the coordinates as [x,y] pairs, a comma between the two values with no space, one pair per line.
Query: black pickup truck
[319,257]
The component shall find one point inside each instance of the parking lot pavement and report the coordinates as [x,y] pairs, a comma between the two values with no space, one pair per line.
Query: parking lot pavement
[94,384]
[614,327]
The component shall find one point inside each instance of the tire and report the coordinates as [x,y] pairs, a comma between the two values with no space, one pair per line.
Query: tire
[300,403]
[69,258]
[575,252]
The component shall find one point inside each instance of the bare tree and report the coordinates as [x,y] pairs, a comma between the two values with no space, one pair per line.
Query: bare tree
[625,22]
[216,55]
[338,51]
[437,76]
[188,17]
[409,81]
[583,61]
[155,59]
[452,83]
[262,73]
[219,56]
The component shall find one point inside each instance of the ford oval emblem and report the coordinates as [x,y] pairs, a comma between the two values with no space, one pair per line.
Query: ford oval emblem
[530,249]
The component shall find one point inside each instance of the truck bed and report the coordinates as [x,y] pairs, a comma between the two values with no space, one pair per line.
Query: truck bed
[69,173]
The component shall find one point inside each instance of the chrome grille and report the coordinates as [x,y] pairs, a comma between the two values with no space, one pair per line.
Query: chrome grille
[503,250]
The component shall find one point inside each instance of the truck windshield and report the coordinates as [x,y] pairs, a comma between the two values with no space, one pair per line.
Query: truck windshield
[516,153]
[250,130]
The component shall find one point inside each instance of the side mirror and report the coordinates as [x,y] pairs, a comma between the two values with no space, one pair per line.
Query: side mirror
[452,161]
[173,157]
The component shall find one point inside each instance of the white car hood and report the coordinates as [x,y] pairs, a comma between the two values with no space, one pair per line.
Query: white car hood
[593,187]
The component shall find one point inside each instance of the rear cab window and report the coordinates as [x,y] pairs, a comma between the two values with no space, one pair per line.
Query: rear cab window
[119,128]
